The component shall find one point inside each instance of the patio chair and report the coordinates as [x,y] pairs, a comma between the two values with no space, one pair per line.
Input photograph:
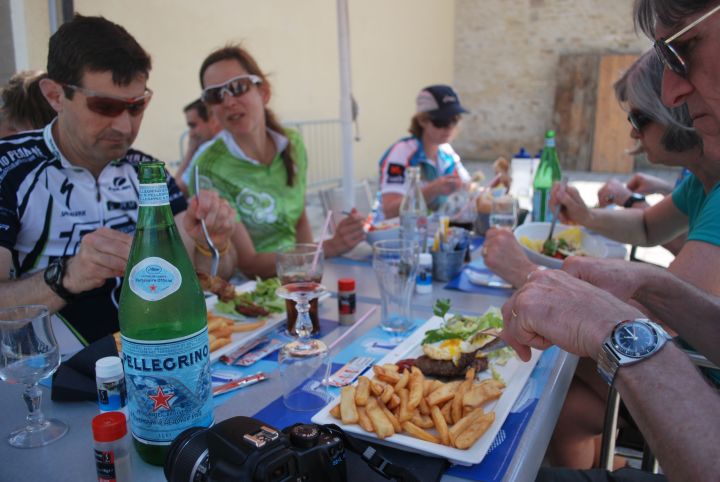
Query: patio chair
[332,199]
[609,437]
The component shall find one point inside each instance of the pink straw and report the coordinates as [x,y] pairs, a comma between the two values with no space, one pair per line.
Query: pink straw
[320,243]
[352,328]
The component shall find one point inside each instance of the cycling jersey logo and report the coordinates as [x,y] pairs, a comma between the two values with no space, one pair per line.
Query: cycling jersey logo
[119,181]
[66,188]
[260,207]
[119,184]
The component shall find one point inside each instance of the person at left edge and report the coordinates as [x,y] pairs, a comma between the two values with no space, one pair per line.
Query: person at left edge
[69,192]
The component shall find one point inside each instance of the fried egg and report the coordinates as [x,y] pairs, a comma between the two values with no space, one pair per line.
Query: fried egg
[453,348]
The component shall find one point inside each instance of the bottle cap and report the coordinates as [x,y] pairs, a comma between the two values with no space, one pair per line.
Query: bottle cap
[425,258]
[346,284]
[108,367]
[108,427]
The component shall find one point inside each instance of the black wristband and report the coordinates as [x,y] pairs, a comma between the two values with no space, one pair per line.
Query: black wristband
[634,198]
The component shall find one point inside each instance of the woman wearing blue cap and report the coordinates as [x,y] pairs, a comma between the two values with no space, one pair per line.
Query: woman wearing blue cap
[432,127]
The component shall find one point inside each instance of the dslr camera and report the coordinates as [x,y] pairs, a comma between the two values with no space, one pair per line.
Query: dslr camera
[246,449]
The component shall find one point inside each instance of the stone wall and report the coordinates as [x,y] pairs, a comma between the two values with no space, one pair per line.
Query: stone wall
[506,56]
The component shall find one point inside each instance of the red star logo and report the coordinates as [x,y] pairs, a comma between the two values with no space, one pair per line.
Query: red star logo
[153,288]
[161,400]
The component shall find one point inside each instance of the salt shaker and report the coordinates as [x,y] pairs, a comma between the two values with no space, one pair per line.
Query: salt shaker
[423,280]
[112,447]
[346,301]
[110,380]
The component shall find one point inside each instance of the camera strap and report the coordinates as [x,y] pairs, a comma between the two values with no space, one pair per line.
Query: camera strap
[373,458]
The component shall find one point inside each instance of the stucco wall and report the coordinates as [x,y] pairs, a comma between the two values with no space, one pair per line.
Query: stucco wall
[506,54]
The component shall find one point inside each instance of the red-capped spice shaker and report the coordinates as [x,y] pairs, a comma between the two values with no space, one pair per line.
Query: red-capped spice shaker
[112,447]
[346,300]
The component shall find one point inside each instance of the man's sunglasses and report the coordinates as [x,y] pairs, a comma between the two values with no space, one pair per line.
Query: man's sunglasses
[669,55]
[236,86]
[110,105]
[445,123]
[638,120]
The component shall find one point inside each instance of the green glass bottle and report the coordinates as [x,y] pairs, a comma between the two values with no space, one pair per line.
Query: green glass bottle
[548,172]
[163,325]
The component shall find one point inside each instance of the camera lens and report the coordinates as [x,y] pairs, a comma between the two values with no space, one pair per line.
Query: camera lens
[187,458]
[304,436]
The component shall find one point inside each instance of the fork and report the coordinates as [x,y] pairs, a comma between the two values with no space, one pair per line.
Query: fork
[208,239]
[556,213]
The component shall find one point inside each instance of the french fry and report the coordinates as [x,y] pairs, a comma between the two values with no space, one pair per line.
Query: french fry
[417,432]
[387,376]
[387,394]
[422,421]
[483,392]
[215,324]
[390,367]
[348,410]
[428,386]
[442,394]
[394,402]
[219,343]
[223,331]
[424,407]
[464,423]
[457,406]
[364,420]
[404,379]
[405,413]
[416,388]
[440,424]
[381,424]
[446,412]
[392,418]
[377,387]
[335,411]
[243,327]
[468,437]
[362,391]
[470,374]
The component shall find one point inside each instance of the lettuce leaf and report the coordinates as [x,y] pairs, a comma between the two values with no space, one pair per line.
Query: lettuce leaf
[464,327]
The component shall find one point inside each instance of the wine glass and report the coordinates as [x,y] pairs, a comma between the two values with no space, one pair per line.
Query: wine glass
[28,353]
[299,263]
[503,212]
[303,362]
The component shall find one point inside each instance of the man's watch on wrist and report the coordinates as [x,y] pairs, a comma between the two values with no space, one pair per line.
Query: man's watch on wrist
[53,276]
[631,341]
[634,198]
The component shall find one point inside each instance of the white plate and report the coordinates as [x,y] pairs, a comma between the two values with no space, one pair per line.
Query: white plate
[593,245]
[486,279]
[515,373]
[273,321]
[238,339]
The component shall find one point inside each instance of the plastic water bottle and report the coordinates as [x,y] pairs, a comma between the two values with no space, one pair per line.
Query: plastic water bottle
[163,326]
[413,211]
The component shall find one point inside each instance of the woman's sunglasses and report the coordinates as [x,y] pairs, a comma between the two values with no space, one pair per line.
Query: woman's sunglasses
[669,54]
[638,120]
[110,105]
[445,123]
[236,86]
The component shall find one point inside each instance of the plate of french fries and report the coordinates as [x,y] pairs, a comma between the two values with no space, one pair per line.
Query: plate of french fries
[225,333]
[455,419]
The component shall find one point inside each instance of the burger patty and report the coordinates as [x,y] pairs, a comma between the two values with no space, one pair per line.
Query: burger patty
[447,369]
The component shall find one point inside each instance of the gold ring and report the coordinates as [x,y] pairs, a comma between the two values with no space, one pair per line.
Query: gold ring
[512,310]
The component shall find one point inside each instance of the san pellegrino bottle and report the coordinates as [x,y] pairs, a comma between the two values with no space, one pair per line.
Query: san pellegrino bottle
[548,172]
[163,326]
[413,210]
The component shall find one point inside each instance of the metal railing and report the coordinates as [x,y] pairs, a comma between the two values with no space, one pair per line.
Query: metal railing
[322,141]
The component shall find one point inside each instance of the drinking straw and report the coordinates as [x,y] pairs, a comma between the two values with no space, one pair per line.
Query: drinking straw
[352,328]
[320,243]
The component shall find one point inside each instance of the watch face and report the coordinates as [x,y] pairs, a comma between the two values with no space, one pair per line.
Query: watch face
[635,339]
[52,272]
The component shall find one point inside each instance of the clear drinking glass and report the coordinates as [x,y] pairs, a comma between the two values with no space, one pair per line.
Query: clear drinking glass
[503,213]
[293,265]
[29,353]
[304,362]
[395,264]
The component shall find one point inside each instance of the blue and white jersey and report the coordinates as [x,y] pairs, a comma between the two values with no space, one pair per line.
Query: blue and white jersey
[47,205]
[408,152]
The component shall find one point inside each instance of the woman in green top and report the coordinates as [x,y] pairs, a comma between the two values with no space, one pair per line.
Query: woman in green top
[258,166]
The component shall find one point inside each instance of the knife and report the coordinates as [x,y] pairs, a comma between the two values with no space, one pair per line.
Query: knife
[239,383]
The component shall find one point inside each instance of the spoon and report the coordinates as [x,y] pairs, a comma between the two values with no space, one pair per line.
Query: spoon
[548,244]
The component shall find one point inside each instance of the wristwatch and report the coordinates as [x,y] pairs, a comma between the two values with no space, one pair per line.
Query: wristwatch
[634,198]
[631,341]
[54,274]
